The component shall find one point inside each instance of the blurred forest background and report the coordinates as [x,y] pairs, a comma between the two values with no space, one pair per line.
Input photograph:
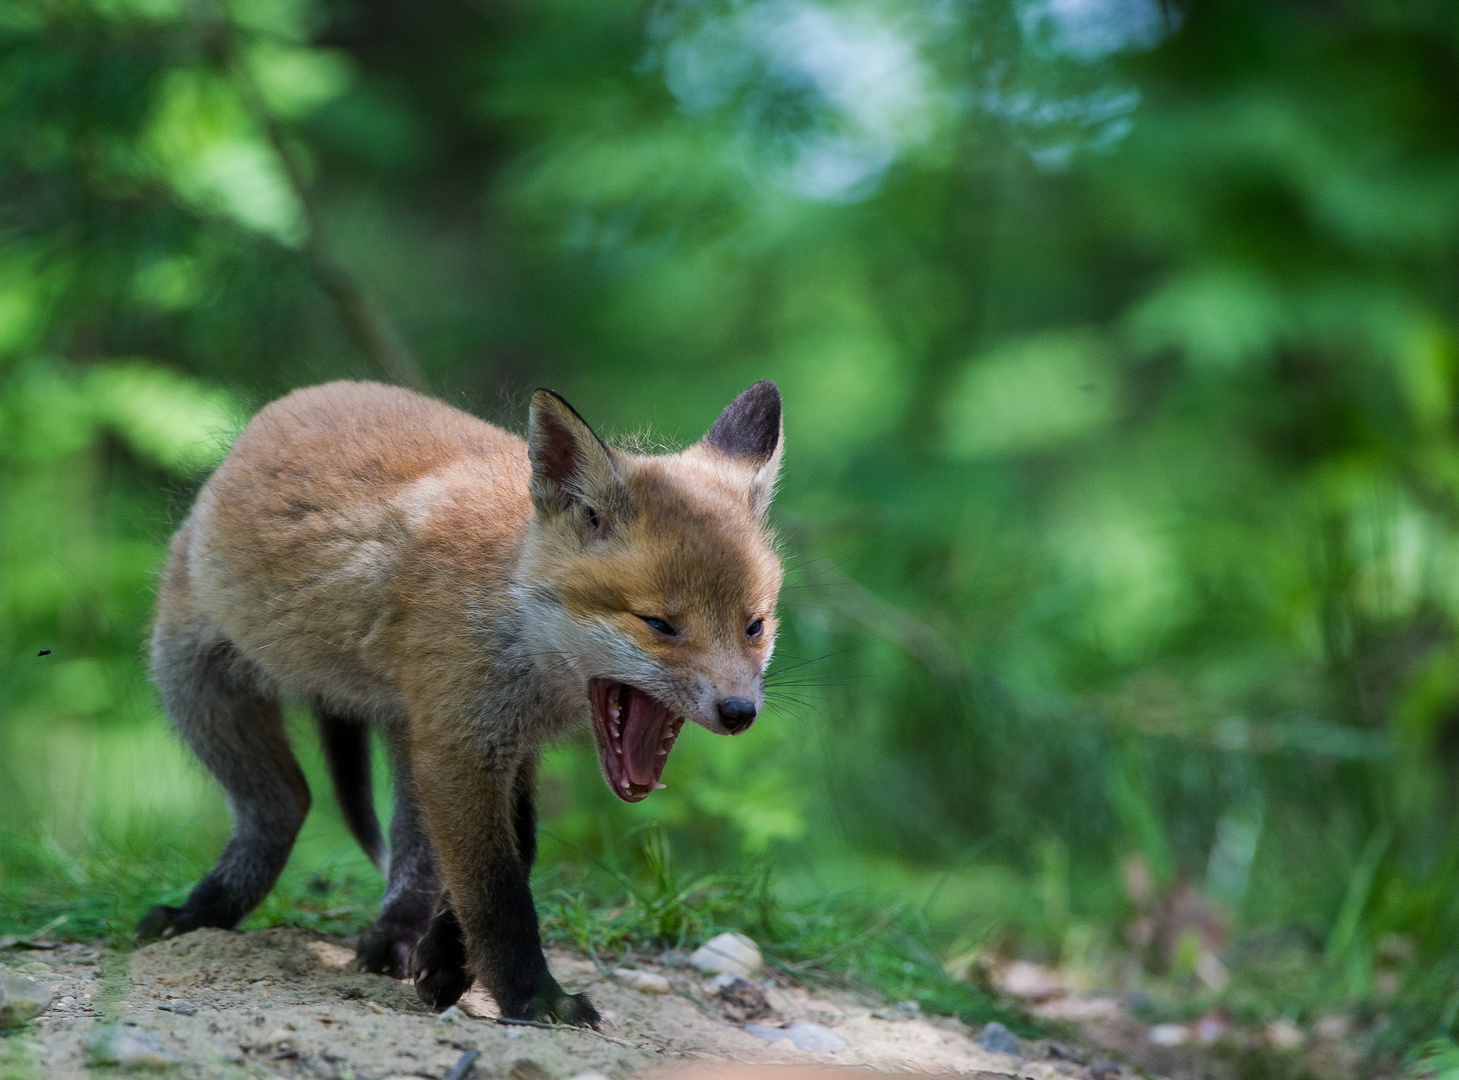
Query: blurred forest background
[1121,498]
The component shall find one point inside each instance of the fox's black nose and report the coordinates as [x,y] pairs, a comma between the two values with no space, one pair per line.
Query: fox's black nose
[736,714]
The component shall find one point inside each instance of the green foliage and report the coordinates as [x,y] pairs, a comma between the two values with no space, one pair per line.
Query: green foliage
[1438,1059]
[116,841]
[1119,357]
[19,1058]
[836,937]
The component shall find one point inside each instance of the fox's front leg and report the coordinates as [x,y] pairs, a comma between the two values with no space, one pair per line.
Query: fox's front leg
[483,823]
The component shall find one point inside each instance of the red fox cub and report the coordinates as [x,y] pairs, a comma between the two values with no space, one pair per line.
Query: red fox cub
[399,564]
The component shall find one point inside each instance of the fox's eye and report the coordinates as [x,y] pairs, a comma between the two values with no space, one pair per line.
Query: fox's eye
[660,625]
[597,527]
[755,628]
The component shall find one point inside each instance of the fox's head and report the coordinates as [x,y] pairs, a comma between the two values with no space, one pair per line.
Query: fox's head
[651,580]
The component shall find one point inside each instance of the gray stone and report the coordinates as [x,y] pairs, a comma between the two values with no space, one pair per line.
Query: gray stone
[21,1000]
[729,953]
[997,1039]
[812,1038]
[645,982]
[126,1047]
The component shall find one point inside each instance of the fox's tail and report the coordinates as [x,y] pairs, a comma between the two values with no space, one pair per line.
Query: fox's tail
[347,753]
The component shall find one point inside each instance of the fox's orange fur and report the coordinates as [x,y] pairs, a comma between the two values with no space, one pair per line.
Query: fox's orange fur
[396,562]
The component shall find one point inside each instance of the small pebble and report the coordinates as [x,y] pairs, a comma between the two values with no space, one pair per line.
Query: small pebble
[729,953]
[645,982]
[21,1001]
[128,1047]
[812,1038]
[464,1064]
[1169,1034]
[527,1069]
[1282,1034]
[997,1039]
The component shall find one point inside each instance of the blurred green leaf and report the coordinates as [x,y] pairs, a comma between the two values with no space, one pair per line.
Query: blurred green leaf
[208,150]
[1031,395]
[172,420]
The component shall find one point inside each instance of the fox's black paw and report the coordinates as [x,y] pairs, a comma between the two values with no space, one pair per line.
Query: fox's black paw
[386,948]
[441,987]
[574,1009]
[438,963]
[552,1005]
[165,922]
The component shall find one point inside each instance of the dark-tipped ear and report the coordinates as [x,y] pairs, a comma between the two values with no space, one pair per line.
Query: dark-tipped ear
[571,468]
[750,430]
[749,427]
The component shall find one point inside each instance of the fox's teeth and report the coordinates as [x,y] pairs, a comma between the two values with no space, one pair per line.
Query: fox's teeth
[663,753]
[658,786]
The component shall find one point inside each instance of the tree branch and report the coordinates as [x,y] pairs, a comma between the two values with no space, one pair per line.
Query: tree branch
[369,328]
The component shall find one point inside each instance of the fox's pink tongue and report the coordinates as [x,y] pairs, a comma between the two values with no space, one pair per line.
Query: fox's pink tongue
[643,731]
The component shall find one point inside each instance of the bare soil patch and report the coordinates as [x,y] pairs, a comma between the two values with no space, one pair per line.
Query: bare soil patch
[288,1003]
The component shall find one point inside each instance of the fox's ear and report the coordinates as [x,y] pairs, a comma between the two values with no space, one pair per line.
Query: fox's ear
[751,432]
[571,468]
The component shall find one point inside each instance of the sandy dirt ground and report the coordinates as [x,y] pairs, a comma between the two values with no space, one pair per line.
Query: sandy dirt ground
[289,1003]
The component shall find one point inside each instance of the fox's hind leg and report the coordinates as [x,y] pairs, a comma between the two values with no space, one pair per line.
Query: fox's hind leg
[230,718]
[413,889]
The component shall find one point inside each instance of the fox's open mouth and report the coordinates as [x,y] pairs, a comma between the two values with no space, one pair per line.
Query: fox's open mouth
[635,733]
